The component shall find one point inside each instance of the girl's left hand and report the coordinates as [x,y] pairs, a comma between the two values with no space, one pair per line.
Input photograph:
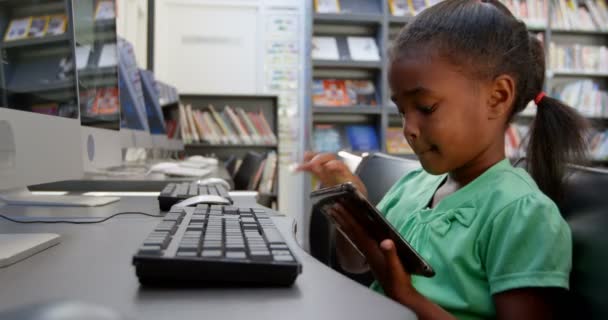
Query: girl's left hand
[382,258]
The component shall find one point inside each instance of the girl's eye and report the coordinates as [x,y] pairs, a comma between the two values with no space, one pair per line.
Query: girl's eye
[426,109]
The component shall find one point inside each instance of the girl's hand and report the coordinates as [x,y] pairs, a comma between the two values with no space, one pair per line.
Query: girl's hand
[382,258]
[330,170]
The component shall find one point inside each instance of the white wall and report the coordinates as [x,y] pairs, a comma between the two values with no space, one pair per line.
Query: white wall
[132,24]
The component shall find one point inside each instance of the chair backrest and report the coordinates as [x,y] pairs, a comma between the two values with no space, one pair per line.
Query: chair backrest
[585,208]
[379,172]
[247,170]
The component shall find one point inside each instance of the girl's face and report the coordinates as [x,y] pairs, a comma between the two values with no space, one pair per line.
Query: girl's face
[444,114]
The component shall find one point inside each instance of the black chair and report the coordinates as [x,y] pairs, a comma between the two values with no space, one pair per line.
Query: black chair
[247,170]
[585,208]
[378,172]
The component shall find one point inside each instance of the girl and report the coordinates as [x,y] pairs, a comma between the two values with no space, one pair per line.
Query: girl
[459,73]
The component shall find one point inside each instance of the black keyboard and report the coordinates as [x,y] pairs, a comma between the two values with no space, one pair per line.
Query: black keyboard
[176,192]
[216,245]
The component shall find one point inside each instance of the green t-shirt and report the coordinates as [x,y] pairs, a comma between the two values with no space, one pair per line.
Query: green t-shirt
[497,233]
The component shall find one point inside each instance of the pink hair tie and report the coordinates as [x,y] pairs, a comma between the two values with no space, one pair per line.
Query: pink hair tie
[539,97]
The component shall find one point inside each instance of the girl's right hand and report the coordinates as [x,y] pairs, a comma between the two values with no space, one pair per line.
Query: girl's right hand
[329,170]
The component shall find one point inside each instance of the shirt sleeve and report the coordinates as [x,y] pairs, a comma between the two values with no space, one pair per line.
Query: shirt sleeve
[528,245]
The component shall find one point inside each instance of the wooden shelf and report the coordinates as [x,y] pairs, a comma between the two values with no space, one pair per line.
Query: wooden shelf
[347,110]
[346,18]
[35,41]
[347,64]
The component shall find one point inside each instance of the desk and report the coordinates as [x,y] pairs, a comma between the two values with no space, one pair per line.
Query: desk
[153,182]
[93,264]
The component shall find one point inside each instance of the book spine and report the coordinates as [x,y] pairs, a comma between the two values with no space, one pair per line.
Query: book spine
[272,136]
[221,124]
[259,127]
[204,130]
[257,139]
[237,124]
[217,135]
[183,124]
[234,135]
[193,130]
[198,126]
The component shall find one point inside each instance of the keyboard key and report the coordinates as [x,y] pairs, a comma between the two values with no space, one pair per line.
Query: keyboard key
[189,254]
[150,250]
[211,253]
[236,255]
[167,190]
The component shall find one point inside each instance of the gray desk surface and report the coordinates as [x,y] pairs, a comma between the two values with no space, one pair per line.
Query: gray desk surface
[153,182]
[93,264]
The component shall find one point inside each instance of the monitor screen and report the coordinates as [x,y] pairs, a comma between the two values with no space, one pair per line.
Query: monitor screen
[133,108]
[36,68]
[156,120]
[96,62]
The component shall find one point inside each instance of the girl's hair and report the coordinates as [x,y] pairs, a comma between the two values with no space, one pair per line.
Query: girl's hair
[486,40]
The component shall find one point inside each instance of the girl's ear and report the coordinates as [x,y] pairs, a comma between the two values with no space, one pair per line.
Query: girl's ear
[502,96]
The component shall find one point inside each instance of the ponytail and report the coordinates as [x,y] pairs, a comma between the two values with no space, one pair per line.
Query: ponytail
[557,138]
[557,134]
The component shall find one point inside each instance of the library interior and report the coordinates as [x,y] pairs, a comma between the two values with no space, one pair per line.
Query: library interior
[303,159]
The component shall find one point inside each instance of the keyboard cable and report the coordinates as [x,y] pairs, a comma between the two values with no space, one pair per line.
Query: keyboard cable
[81,222]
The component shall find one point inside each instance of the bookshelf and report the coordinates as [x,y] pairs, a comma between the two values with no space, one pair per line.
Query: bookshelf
[373,18]
[266,104]
[31,76]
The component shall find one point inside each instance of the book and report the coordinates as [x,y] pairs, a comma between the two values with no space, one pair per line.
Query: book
[269,173]
[325,48]
[183,124]
[363,49]
[398,7]
[256,136]
[255,119]
[330,92]
[38,27]
[362,138]
[107,101]
[192,127]
[361,92]
[257,177]
[105,10]
[416,6]
[57,25]
[18,29]
[171,126]
[242,132]
[338,93]
[202,132]
[108,56]
[395,141]
[326,138]
[223,126]
[327,6]
[268,129]
[83,52]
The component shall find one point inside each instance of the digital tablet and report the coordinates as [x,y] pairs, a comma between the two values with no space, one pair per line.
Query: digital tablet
[374,223]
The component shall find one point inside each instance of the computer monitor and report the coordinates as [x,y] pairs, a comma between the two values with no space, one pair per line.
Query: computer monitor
[156,120]
[134,129]
[97,67]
